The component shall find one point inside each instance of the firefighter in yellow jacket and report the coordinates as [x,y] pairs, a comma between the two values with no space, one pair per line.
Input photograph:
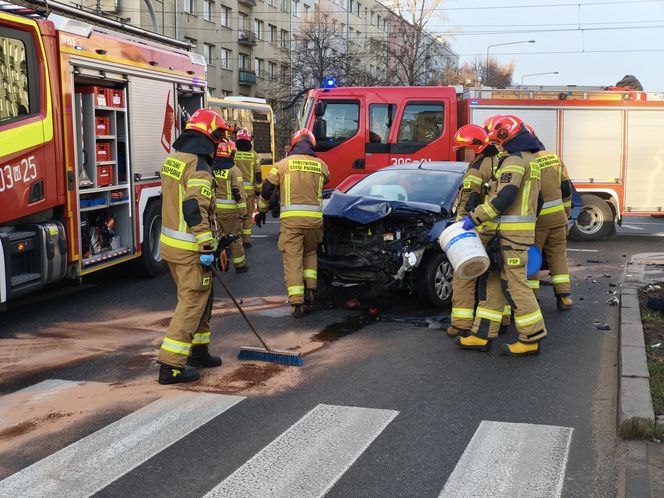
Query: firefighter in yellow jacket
[551,228]
[509,213]
[247,160]
[231,201]
[188,243]
[300,178]
[473,192]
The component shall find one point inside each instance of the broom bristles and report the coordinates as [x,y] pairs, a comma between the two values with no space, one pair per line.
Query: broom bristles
[289,358]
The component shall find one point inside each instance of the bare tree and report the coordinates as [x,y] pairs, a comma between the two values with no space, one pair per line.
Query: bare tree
[477,73]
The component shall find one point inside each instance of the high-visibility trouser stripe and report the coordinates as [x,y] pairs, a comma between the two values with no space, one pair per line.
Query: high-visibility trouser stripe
[241,205]
[307,214]
[507,310]
[248,185]
[296,290]
[177,347]
[309,273]
[494,316]
[519,170]
[246,231]
[203,237]
[199,182]
[474,179]
[239,259]
[226,204]
[463,313]
[487,224]
[488,209]
[525,199]
[201,338]
[563,278]
[262,203]
[534,284]
[567,204]
[529,319]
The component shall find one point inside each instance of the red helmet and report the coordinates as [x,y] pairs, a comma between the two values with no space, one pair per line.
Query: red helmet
[301,135]
[226,149]
[472,136]
[209,123]
[490,122]
[244,134]
[505,128]
[530,129]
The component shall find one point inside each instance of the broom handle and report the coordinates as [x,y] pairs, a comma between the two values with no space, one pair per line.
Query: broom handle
[228,291]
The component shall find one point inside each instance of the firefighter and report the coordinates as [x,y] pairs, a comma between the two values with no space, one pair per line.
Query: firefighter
[188,243]
[509,214]
[551,228]
[478,176]
[230,201]
[300,178]
[248,162]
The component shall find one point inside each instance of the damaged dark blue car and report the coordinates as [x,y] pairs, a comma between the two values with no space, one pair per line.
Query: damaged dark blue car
[382,233]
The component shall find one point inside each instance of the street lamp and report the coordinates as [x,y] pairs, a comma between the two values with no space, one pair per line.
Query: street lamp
[500,45]
[536,74]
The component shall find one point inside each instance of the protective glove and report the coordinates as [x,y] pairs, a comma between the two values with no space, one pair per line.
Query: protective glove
[259,219]
[467,223]
[206,259]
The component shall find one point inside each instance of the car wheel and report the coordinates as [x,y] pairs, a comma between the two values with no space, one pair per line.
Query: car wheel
[153,264]
[435,280]
[595,220]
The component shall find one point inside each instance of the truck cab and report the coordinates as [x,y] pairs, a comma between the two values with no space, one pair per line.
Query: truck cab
[360,130]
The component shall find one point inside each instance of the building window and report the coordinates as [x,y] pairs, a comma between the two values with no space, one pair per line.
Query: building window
[359,6]
[386,26]
[207,9]
[284,5]
[258,28]
[283,38]
[258,67]
[306,9]
[272,70]
[244,62]
[225,16]
[284,74]
[294,8]
[378,21]
[211,91]
[271,33]
[191,41]
[188,6]
[350,5]
[225,58]
[208,51]
[242,21]
[270,3]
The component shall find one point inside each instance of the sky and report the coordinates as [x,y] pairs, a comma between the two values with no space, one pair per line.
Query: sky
[601,40]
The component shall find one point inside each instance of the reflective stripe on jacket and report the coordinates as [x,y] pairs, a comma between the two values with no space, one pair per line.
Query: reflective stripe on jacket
[227,180]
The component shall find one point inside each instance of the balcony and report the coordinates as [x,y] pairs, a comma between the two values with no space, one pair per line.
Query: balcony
[248,3]
[247,77]
[247,38]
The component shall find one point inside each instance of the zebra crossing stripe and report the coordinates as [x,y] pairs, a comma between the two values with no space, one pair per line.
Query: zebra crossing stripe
[508,460]
[309,458]
[92,463]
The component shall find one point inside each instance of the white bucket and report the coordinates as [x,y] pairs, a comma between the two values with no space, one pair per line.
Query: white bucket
[464,250]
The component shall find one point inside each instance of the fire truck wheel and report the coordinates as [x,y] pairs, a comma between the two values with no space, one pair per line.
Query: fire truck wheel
[153,265]
[595,220]
[434,280]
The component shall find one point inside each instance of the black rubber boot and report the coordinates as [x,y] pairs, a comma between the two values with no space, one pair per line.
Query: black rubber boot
[242,269]
[452,331]
[176,375]
[246,245]
[297,311]
[201,358]
[309,296]
[503,328]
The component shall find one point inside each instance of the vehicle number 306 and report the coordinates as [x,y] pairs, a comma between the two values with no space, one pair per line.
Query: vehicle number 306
[11,175]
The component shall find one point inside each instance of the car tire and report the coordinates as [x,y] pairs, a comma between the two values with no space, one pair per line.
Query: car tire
[600,220]
[153,264]
[434,283]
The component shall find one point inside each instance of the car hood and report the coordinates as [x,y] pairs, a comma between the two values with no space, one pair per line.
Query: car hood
[363,210]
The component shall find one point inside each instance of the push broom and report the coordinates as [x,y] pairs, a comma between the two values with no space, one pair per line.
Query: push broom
[266,353]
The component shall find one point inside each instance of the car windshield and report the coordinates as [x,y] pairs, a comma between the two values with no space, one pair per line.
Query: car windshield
[416,185]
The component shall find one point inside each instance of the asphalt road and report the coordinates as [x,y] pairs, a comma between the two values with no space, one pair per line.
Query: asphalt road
[419,403]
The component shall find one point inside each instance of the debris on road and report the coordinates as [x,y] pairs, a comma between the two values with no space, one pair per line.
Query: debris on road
[606,275]
[597,261]
[612,301]
[602,326]
[655,346]
[612,284]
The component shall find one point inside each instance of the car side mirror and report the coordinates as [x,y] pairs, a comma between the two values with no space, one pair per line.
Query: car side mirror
[320,129]
[319,108]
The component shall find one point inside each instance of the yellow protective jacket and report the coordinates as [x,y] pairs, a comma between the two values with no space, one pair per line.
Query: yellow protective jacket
[478,176]
[188,209]
[229,188]
[249,165]
[511,205]
[300,179]
[556,191]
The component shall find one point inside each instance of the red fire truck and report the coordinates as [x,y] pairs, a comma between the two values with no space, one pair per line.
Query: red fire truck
[610,140]
[87,117]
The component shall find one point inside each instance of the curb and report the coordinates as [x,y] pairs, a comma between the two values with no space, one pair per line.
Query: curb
[635,408]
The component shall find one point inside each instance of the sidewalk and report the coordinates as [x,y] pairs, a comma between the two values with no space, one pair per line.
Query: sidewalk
[644,460]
